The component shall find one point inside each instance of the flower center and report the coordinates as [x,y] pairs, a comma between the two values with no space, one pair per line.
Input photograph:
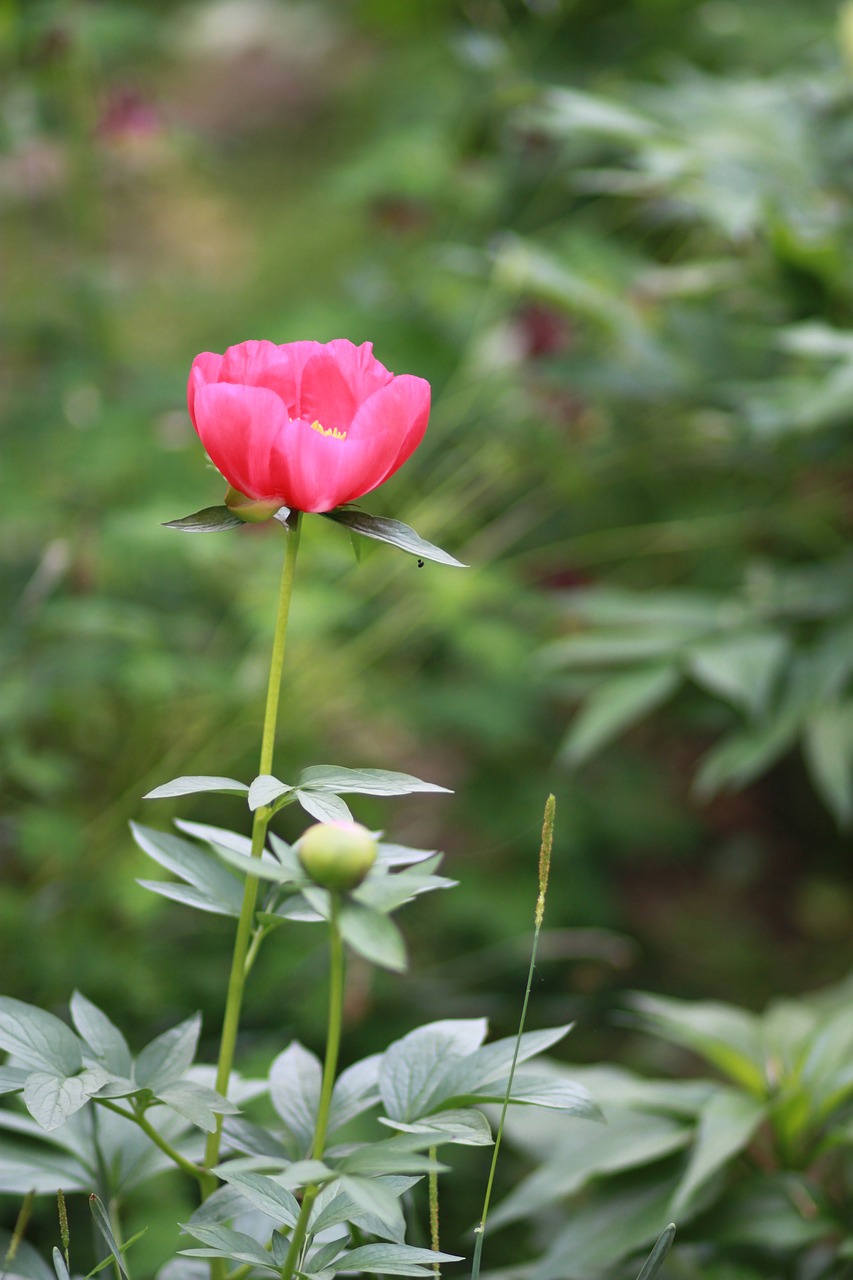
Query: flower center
[328,431]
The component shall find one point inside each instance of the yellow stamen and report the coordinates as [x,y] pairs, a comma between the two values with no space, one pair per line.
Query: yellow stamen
[328,431]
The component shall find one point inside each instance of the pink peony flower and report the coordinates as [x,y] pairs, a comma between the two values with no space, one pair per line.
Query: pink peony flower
[306,425]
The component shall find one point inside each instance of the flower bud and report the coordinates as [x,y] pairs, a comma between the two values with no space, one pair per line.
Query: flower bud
[337,855]
[252,510]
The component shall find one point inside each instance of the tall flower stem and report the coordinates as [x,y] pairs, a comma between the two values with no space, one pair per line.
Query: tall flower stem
[237,979]
[330,1068]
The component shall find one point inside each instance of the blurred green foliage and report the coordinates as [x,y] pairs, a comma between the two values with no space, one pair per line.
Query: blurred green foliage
[616,238]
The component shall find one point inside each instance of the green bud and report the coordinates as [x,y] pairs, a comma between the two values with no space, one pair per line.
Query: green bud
[252,510]
[337,855]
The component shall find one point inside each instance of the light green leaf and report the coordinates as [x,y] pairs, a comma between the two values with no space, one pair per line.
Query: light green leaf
[409,1066]
[464,1126]
[373,936]
[192,784]
[220,837]
[60,1266]
[168,1057]
[265,790]
[324,806]
[188,896]
[191,863]
[196,1103]
[488,1064]
[614,706]
[356,1090]
[222,1242]
[829,756]
[724,1035]
[726,1125]
[265,1194]
[295,1079]
[387,893]
[102,1222]
[208,520]
[740,668]
[367,782]
[12,1079]
[769,1211]
[402,1154]
[104,1039]
[374,1199]
[38,1038]
[740,757]
[393,531]
[394,1259]
[51,1099]
[27,1264]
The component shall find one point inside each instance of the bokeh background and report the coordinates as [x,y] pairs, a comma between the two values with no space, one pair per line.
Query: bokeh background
[616,237]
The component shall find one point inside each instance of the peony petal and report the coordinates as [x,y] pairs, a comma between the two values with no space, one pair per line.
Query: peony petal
[326,396]
[263,364]
[319,472]
[363,372]
[238,427]
[398,414]
[205,368]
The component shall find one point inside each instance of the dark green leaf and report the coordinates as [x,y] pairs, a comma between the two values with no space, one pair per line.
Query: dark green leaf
[208,520]
[393,531]
[657,1257]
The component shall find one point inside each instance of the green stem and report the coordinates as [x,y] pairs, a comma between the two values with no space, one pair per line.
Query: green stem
[434,1238]
[544,870]
[237,979]
[330,1068]
[194,1170]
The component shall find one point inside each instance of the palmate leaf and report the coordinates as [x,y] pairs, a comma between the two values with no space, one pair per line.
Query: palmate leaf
[392,531]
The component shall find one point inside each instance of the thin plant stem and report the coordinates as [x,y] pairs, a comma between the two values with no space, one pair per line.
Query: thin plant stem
[237,979]
[544,870]
[434,1238]
[330,1068]
[194,1170]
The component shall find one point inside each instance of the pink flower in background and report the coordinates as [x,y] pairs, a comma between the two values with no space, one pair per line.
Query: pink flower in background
[306,425]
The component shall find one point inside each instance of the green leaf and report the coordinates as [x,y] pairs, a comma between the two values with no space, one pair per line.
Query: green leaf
[222,1242]
[208,520]
[193,864]
[726,1125]
[740,668]
[324,807]
[295,1079]
[615,705]
[581,1154]
[169,1056]
[409,1066]
[373,935]
[387,893]
[373,1199]
[192,785]
[401,1154]
[556,1093]
[107,1043]
[216,837]
[394,1259]
[464,1126]
[657,1257]
[265,790]
[724,1035]
[829,756]
[60,1266]
[265,1194]
[27,1264]
[333,1206]
[356,1091]
[196,1103]
[102,1222]
[188,896]
[12,1079]
[51,1099]
[489,1063]
[366,782]
[740,757]
[770,1211]
[38,1038]
[393,531]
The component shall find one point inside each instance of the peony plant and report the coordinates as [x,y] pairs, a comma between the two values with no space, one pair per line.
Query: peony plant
[303,428]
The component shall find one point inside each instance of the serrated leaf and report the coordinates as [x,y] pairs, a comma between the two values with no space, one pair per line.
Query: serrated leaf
[295,1080]
[105,1040]
[208,520]
[168,1057]
[367,782]
[192,784]
[392,531]
[265,1194]
[373,936]
[615,705]
[324,806]
[38,1038]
